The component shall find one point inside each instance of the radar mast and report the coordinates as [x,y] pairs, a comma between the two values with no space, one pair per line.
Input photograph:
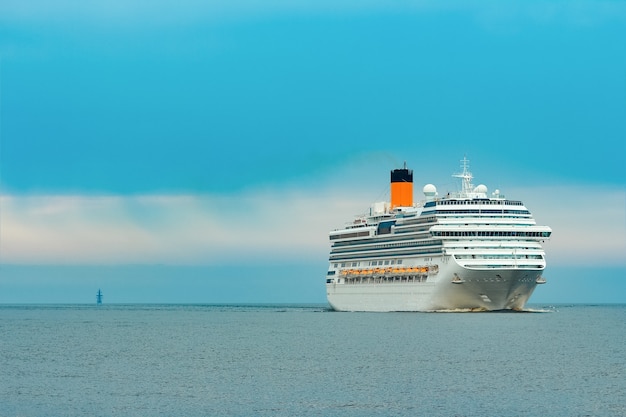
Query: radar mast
[466,177]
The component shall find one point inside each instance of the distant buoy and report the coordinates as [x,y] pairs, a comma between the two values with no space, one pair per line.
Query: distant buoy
[99,297]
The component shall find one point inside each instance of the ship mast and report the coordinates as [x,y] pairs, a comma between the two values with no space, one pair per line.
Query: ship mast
[466,178]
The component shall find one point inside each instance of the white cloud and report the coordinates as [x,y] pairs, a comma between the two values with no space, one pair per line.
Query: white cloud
[588,223]
[192,229]
[264,225]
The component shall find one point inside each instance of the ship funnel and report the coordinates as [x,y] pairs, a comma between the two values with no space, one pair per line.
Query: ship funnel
[402,187]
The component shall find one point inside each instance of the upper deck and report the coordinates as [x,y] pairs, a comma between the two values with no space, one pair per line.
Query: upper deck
[470,208]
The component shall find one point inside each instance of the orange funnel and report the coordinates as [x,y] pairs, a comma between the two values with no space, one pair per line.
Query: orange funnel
[402,187]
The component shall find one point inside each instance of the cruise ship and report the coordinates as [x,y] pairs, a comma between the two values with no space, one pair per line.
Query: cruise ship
[465,251]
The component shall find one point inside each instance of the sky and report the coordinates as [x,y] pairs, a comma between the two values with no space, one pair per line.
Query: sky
[196,151]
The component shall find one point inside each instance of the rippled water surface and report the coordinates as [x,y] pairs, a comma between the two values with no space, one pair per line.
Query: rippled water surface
[195,360]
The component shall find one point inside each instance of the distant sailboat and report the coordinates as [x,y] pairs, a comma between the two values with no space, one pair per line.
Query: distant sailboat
[99,297]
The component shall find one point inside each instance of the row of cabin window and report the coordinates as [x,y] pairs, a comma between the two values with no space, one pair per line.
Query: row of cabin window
[483,211]
[370,263]
[489,234]
[481,202]
[498,257]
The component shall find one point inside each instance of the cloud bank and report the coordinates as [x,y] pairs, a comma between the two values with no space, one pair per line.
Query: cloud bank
[588,223]
[170,229]
[270,226]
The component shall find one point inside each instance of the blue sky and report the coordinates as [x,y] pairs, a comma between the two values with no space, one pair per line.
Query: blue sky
[182,137]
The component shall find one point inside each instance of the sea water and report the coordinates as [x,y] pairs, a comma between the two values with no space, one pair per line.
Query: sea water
[288,360]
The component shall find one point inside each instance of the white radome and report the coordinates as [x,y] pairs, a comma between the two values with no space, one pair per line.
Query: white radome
[430,190]
[482,189]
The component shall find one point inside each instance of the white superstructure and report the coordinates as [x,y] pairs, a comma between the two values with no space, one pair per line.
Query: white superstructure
[467,250]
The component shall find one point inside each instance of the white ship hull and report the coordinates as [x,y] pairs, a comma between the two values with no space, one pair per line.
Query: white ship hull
[453,288]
